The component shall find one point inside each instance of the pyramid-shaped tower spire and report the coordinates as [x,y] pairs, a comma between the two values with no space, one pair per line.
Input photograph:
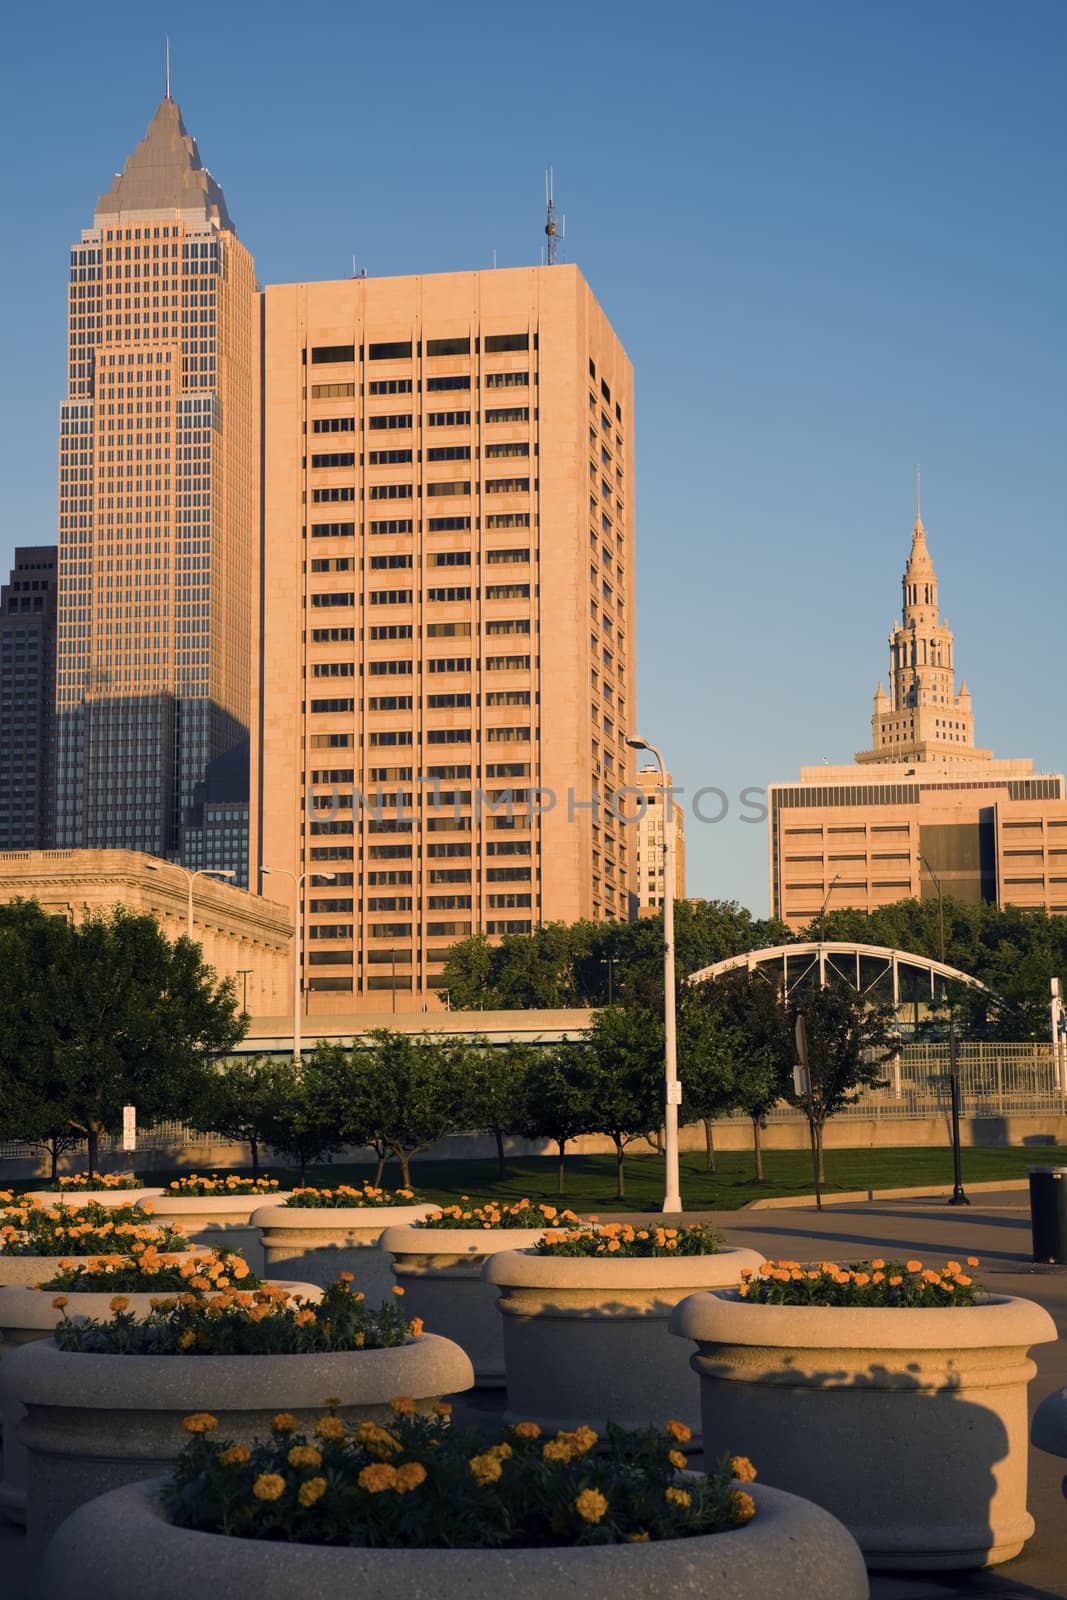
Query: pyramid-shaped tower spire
[165,174]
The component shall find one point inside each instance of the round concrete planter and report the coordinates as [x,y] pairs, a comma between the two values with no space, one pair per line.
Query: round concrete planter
[99,1197]
[122,1545]
[440,1271]
[27,1314]
[223,1221]
[318,1242]
[94,1422]
[585,1338]
[908,1425]
[1049,1430]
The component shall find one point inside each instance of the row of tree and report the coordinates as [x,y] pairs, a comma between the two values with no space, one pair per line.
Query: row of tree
[1013,952]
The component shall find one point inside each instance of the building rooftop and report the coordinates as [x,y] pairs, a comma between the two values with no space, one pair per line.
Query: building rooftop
[165,173]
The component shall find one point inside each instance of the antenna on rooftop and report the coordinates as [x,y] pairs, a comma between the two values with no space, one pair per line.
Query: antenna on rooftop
[167,71]
[556,233]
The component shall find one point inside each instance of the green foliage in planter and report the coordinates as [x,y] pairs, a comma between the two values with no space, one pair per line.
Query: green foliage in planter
[521,1214]
[345,1195]
[153,1273]
[27,1229]
[625,1239]
[262,1322]
[876,1283]
[419,1483]
[220,1187]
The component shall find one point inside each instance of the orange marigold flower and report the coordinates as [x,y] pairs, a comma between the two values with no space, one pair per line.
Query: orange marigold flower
[187,1340]
[972,1261]
[678,1431]
[304,1455]
[442,1409]
[742,1505]
[877,1263]
[330,1428]
[484,1469]
[679,1497]
[120,1302]
[557,1450]
[742,1468]
[235,1455]
[302,1318]
[200,1422]
[678,1460]
[416,1326]
[591,1505]
[964,1280]
[895,1281]
[311,1491]
[284,1422]
[638,1538]
[526,1430]
[60,1301]
[409,1476]
[377,1477]
[913,1266]
[953,1266]
[397,1289]
[403,1405]
[269,1486]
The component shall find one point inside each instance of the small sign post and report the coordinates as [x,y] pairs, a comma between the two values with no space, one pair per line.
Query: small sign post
[129,1128]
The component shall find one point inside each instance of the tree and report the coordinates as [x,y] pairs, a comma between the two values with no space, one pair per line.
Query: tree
[753,1043]
[246,1100]
[620,1077]
[556,1104]
[304,1122]
[848,1041]
[495,1087]
[407,1093]
[105,1013]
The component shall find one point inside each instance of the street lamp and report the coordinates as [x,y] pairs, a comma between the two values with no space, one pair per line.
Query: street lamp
[822,914]
[201,872]
[672,1199]
[958,1197]
[298,882]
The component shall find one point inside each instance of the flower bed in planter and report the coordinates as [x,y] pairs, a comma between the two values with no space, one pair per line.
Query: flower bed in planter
[585,1324]
[522,1516]
[898,1404]
[439,1263]
[105,1401]
[92,1288]
[218,1211]
[107,1189]
[321,1232]
[33,1238]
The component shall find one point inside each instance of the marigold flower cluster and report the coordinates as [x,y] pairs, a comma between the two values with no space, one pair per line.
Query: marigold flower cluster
[346,1196]
[86,1182]
[155,1271]
[419,1482]
[31,1229]
[519,1214]
[876,1283]
[197,1186]
[629,1239]
[207,1319]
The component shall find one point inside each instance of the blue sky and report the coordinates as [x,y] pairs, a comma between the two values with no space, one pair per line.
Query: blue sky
[830,235]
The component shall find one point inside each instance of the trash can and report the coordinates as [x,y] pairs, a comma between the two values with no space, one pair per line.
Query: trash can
[1048,1213]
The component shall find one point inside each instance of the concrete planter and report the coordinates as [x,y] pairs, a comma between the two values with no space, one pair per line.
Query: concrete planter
[585,1338]
[99,1197]
[94,1422]
[223,1221]
[27,1314]
[122,1545]
[440,1271]
[318,1242]
[908,1425]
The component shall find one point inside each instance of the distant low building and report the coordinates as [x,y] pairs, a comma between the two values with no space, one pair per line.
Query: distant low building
[27,699]
[242,936]
[923,800]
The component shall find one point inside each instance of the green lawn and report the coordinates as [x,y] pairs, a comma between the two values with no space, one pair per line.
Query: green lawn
[590,1180]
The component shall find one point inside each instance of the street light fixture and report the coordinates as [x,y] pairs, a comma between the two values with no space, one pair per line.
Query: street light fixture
[298,882]
[958,1197]
[672,1199]
[201,872]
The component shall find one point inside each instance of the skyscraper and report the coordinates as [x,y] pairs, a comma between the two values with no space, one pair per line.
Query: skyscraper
[447,590]
[27,699]
[158,516]
[923,803]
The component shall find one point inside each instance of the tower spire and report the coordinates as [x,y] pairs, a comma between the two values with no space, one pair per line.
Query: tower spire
[918,497]
[166,94]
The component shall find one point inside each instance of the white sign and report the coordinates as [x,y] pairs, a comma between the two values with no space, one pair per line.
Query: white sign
[129,1127]
[674,1093]
[801,1082]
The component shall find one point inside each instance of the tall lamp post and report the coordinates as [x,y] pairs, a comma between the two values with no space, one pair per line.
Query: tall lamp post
[298,882]
[191,876]
[672,1199]
[958,1197]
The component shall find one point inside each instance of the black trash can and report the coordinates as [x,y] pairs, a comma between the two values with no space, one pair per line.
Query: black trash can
[1048,1213]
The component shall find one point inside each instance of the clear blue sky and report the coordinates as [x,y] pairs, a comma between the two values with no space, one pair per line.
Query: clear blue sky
[831,236]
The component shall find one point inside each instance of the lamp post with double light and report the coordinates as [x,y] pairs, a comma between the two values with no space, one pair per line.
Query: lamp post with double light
[672,1199]
[298,881]
[191,877]
[958,1197]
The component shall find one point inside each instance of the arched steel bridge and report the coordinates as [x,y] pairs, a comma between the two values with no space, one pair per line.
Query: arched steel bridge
[883,974]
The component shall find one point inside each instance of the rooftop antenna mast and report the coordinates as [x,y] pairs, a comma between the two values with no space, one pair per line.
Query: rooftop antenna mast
[556,234]
[167,56]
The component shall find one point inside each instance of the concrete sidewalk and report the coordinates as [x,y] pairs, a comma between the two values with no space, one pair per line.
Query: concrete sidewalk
[996,1228]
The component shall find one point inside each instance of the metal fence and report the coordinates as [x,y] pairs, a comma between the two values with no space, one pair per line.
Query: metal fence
[996,1080]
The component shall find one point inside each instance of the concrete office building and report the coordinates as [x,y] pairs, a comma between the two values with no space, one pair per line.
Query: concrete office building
[862,835]
[27,699]
[158,510]
[447,618]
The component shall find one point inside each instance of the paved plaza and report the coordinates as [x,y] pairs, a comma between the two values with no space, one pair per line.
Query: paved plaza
[996,1228]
